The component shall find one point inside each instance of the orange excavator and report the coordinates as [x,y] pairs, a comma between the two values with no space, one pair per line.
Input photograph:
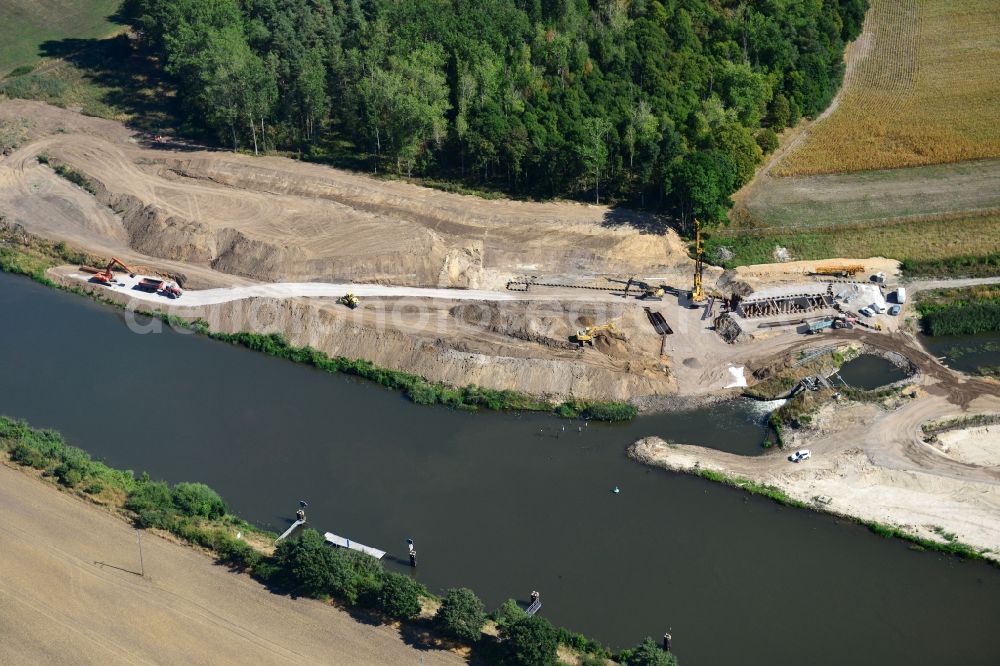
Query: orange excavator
[107,275]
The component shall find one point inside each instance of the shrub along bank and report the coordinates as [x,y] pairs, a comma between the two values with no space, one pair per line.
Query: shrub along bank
[966,265]
[960,311]
[950,545]
[69,173]
[303,565]
[416,388]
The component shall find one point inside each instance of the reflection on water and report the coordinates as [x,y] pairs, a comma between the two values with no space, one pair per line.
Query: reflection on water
[869,371]
[966,353]
[502,503]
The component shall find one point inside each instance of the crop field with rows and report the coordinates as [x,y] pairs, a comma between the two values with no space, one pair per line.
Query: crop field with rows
[924,89]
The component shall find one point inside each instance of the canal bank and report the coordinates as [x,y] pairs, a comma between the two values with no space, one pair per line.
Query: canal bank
[503,503]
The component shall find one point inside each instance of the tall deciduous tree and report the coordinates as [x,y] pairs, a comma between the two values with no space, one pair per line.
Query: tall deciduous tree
[549,97]
[594,149]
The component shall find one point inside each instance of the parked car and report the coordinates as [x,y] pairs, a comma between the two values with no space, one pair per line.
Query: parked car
[800,455]
[894,310]
[878,277]
[877,309]
[865,312]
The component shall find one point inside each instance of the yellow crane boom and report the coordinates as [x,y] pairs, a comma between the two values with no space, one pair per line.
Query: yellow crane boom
[698,293]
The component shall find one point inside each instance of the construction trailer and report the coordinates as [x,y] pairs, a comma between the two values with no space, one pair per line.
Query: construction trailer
[156,285]
[821,325]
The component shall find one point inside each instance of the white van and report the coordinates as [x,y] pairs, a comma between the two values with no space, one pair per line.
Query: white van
[877,309]
[901,295]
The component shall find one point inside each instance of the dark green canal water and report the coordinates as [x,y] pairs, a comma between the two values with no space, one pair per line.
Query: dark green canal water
[869,371]
[502,503]
[966,353]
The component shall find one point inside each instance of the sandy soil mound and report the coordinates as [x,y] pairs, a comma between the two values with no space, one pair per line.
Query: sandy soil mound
[976,446]
[272,218]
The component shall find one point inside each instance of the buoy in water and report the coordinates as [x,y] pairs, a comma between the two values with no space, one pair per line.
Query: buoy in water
[616,490]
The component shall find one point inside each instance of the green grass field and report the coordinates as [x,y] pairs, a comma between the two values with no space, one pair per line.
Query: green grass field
[27,24]
[940,189]
[926,245]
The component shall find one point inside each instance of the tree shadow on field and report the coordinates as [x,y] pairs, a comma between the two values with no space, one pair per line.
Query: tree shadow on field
[644,222]
[421,635]
[126,79]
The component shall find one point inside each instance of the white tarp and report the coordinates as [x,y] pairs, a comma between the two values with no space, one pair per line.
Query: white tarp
[862,295]
[739,379]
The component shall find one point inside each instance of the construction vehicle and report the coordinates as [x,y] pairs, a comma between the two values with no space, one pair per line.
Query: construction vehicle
[839,270]
[698,294]
[154,285]
[107,275]
[817,326]
[350,300]
[651,293]
[648,292]
[587,335]
[149,284]
[875,326]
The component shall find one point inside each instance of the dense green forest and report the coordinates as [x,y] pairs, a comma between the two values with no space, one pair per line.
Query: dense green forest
[668,104]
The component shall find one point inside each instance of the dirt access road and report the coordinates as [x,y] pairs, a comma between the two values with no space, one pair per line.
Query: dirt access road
[58,604]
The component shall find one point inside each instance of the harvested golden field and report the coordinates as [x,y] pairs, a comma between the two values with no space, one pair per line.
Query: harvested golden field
[923,88]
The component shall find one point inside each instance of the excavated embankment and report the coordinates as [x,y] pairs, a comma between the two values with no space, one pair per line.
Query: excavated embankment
[556,371]
[221,219]
[277,219]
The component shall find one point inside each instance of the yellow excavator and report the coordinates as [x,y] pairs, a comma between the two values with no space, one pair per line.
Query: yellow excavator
[651,293]
[350,300]
[586,335]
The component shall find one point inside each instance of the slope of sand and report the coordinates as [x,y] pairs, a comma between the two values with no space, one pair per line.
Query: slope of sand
[67,596]
[277,219]
[976,446]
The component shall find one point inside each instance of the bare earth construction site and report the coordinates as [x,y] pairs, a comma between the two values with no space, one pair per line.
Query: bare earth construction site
[452,288]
